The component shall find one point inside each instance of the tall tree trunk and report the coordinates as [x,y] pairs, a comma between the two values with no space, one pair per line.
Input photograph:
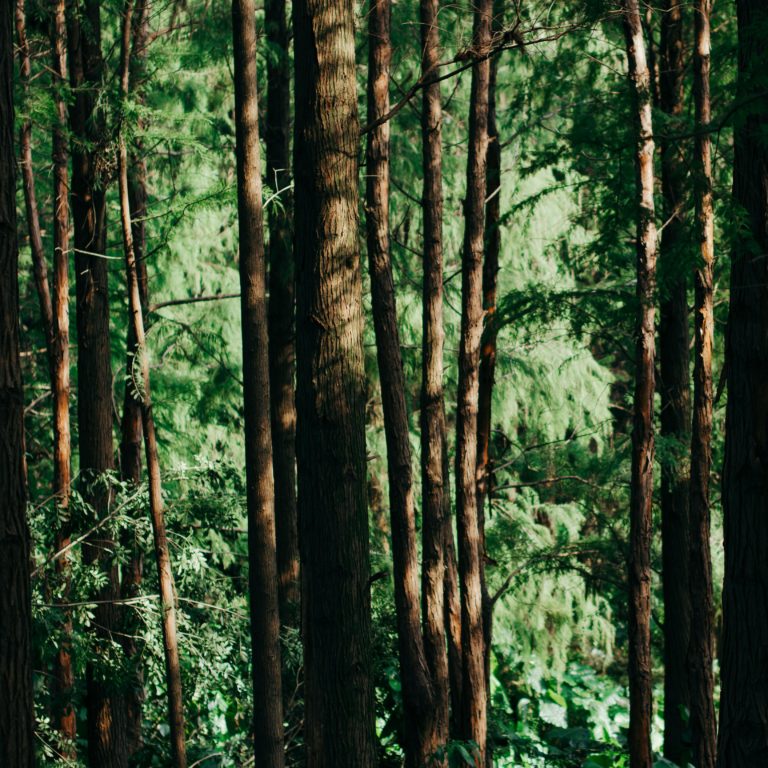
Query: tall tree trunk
[421,738]
[262,556]
[436,513]
[106,709]
[64,711]
[675,395]
[700,652]
[55,317]
[16,714]
[744,662]
[640,663]
[130,424]
[339,705]
[281,311]
[488,358]
[142,384]
[471,567]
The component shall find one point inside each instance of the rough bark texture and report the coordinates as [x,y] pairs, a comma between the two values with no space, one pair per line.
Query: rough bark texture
[743,739]
[333,516]
[16,717]
[63,708]
[281,316]
[262,557]
[640,662]
[107,744]
[471,570]
[702,721]
[140,366]
[435,512]
[675,394]
[421,739]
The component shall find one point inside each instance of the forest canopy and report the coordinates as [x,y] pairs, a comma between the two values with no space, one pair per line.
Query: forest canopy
[383,383]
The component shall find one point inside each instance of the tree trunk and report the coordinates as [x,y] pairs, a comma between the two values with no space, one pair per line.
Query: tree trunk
[700,653]
[333,515]
[64,711]
[488,359]
[130,425]
[436,513]
[744,661]
[262,556]
[281,311]
[107,744]
[55,318]
[471,568]
[16,713]
[675,395]
[142,385]
[640,663]
[421,738]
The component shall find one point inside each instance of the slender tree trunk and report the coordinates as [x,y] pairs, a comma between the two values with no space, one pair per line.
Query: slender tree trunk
[488,359]
[640,663]
[333,515]
[140,365]
[130,425]
[107,744]
[471,568]
[675,395]
[436,513]
[281,311]
[420,726]
[55,317]
[16,714]
[262,556]
[39,265]
[64,711]
[700,653]
[744,662]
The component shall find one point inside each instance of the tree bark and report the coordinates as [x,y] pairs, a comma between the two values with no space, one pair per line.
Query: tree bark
[55,318]
[339,704]
[744,662]
[64,711]
[142,388]
[675,395]
[107,745]
[421,737]
[281,318]
[640,663]
[16,713]
[701,649]
[471,568]
[130,424]
[436,513]
[262,556]
[488,360]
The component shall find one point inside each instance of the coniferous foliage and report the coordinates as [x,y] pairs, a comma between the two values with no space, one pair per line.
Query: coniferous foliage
[447,464]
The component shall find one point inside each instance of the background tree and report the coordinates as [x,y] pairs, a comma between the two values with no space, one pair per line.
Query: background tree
[640,665]
[16,719]
[471,564]
[262,557]
[701,651]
